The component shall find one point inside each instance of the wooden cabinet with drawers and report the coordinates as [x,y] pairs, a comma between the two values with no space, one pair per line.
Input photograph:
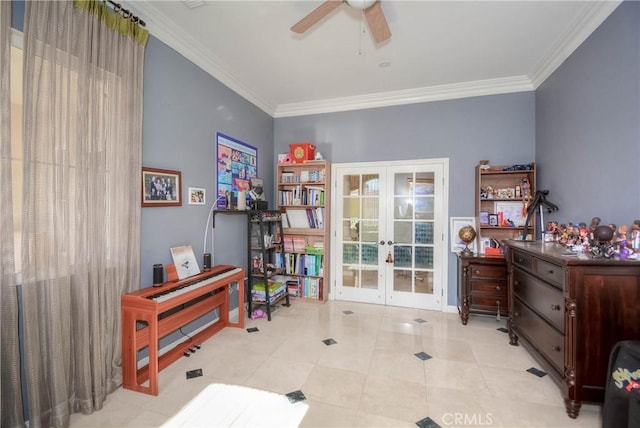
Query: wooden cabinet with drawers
[482,286]
[569,310]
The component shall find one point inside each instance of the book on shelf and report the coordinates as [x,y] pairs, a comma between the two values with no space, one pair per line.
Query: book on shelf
[288,177]
[307,218]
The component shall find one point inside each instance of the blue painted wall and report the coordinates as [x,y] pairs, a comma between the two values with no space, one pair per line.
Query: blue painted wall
[588,125]
[184,107]
[500,128]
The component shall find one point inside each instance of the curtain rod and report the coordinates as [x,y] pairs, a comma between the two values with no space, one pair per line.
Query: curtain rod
[127,14]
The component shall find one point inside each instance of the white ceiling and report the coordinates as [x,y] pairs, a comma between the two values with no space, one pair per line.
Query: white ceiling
[438,49]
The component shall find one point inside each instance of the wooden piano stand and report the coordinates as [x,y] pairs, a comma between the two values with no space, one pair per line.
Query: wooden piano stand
[187,300]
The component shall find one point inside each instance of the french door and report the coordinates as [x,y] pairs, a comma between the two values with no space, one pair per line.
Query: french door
[390,223]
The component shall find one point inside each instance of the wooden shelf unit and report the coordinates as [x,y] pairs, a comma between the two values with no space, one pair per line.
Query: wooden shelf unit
[262,254]
[303,192]
[497,178]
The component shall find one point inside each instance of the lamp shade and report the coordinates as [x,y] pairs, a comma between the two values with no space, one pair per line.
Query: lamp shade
[360,4]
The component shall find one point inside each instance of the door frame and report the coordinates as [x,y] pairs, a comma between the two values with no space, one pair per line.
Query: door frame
[445,215]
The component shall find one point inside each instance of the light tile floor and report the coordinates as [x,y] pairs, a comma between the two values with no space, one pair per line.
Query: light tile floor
[369,378]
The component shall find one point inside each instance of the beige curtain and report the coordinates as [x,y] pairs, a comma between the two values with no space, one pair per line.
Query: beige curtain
[81,211]
[10,393]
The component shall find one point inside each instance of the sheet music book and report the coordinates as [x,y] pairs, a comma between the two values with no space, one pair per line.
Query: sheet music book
[185,261]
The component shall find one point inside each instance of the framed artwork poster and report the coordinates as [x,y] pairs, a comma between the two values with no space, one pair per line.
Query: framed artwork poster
[511,211]
[161,187]
[237,163]
[458,223]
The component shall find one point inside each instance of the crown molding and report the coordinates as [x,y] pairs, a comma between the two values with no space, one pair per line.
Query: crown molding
[412,96]
[592,16]
[161,27]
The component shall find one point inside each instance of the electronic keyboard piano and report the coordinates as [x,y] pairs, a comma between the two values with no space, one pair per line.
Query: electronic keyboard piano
[151,313]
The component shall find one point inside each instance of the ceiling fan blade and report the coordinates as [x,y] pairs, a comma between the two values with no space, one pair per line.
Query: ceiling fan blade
[377,22]
[316,15]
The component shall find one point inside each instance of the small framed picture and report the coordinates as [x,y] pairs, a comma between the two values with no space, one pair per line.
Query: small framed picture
[493,219]
[484,218]
[197,196]
[484,244]
[161,188]
[458,223]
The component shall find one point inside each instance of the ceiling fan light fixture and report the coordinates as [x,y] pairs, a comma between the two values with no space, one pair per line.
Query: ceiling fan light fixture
[361,4]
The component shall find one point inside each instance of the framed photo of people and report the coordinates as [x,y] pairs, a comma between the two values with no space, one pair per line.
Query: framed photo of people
[161,187]
[237,163]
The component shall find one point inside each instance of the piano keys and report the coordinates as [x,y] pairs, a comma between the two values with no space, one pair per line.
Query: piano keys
[163,310]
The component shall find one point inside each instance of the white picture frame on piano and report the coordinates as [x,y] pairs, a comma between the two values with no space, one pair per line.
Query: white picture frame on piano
[185,261]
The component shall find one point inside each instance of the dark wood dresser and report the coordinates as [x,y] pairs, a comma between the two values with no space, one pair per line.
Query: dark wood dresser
[569,310]
[482,286]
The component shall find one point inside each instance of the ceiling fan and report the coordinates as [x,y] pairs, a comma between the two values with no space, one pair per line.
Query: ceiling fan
[372,11]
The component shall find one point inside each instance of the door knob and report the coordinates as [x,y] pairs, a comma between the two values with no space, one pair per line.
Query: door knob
[390,242]
[381,242]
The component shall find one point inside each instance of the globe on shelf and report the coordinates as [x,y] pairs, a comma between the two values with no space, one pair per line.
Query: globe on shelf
[467,234]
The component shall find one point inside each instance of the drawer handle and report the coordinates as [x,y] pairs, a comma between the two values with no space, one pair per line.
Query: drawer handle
[498,288]
[477,272]
[516,314]
[516,282]
[519,260]
[555,307]
[550,271]
[556,348]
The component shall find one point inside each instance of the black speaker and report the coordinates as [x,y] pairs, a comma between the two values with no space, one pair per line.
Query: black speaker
[207,261]
[158,274]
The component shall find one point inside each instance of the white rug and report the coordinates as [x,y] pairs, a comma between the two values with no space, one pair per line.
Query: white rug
[221,405]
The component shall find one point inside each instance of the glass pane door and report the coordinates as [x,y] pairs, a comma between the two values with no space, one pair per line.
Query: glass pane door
[389,234]
[359,207]
[413,226]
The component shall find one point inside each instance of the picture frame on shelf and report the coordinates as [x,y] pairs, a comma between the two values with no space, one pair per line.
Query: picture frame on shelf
[493,219]
[484,218]
[197,196]
[511,211]
[484,244]
[161,187]
[457,223]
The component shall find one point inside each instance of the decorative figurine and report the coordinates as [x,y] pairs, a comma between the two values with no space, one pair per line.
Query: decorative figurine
[484,164]
[635,236]
[526,196]
[621,236]
[595,222]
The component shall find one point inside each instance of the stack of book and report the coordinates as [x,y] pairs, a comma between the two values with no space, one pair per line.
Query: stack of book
[258,292]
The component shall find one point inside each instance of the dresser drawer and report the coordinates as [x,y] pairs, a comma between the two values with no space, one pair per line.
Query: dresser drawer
[550,272]
[484,271]
[541,335]
[489,302]
[523,260]
[548,301]
[498,288]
